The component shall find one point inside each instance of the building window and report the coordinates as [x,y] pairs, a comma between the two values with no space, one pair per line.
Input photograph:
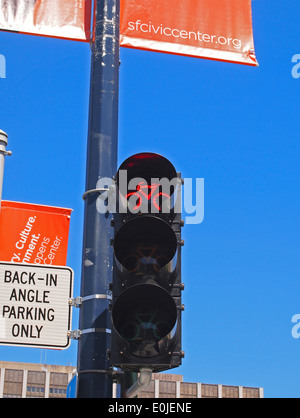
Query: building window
[58,385]
[35,384]
[188,390]
[167,389]
[230,392]
[35,389]
[209,391]
[13,383]
[250,393]
[58,391]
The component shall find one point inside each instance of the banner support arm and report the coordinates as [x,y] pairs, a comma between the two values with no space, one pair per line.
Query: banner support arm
[3,153]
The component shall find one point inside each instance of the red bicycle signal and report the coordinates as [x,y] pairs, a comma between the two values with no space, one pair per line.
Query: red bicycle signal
[152,194]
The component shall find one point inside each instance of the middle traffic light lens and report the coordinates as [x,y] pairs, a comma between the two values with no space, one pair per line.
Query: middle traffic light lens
[145,245]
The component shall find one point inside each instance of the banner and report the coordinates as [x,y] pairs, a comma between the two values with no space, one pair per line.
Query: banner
[69,19]
[34,234]
[213,29]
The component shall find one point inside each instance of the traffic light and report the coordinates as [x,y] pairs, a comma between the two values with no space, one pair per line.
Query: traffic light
[146,290]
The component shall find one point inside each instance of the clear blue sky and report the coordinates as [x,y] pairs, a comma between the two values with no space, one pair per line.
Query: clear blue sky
[235,126]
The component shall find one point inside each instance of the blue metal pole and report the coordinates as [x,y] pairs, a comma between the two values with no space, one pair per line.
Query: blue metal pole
[94,322]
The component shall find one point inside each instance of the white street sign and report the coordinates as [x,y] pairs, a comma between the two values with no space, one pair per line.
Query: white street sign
[34,305]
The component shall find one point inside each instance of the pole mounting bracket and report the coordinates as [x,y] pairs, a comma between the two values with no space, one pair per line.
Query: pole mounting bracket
[78,301]
[74,335]
[100,190]
[77,333]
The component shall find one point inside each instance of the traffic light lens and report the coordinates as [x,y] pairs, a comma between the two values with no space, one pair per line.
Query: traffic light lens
[144,315]
[147,196]
[145,245]
[148,183]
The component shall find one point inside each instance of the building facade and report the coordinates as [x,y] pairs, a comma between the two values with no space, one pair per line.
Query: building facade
[27,380]
[172,386]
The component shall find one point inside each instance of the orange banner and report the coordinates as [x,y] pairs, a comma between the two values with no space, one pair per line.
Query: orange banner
[34,234]
[213,29]
[69,19]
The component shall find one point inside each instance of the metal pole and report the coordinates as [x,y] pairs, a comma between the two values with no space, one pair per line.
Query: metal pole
[3,153]
[94,322]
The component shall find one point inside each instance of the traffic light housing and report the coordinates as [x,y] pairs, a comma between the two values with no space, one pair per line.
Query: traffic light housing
[146,289]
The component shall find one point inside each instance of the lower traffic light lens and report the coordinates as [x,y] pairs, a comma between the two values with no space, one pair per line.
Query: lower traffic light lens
[145,245]
[145,316]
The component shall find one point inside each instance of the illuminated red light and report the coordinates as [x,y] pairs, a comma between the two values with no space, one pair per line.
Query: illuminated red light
[144,191]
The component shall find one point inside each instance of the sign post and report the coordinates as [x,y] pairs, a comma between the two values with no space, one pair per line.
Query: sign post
[34,305]
[94,379]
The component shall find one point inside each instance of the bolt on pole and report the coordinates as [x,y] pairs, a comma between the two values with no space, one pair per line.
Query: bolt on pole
[94,380]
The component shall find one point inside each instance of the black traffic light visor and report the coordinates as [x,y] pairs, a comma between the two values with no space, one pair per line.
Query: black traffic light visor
[147,165]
